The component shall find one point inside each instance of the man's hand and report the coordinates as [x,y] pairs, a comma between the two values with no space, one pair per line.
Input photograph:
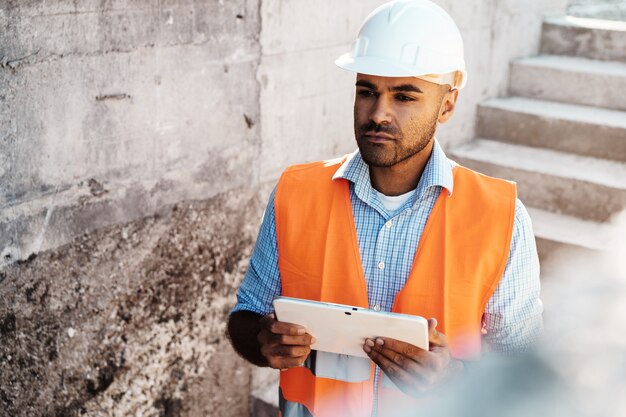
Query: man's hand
[414,370]
[283,345]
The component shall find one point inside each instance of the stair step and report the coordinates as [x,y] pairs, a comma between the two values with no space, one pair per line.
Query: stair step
[583,187]
[598,9]
[582,37]
[570,80]
[558,230]
[583,130]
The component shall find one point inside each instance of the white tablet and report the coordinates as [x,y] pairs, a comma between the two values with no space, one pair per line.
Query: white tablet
[343,329]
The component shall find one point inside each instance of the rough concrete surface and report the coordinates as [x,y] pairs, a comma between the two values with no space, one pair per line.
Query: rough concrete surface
[130,320]
[557,126]
[115,104]
[598,9]
[129,134]
[550,77]
[588,188]
[590,38]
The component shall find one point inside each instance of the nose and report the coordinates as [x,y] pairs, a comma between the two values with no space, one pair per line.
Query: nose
[381,112]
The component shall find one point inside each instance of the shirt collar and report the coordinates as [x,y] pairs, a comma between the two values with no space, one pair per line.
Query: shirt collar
[438,172]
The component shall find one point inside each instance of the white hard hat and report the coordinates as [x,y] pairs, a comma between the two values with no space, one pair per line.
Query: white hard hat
[409,38]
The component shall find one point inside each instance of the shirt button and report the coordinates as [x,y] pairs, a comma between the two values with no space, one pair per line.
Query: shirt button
[377,307]
[388,224]
[381,265]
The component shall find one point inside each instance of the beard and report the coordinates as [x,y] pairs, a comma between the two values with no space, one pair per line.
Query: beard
[405,145]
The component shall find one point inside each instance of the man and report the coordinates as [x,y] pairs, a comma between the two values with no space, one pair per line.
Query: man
[395,226]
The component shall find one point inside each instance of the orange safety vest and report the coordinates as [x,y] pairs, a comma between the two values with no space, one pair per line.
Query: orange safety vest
[460,258]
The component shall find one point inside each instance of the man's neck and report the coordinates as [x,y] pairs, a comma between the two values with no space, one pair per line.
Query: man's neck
[402,177]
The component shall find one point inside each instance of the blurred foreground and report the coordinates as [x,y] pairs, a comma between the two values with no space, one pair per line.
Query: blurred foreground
[580,367]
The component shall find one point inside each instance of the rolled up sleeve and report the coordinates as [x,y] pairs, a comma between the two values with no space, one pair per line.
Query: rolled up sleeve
[261,283]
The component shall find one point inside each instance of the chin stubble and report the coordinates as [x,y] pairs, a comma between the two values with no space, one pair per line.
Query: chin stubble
[375,154]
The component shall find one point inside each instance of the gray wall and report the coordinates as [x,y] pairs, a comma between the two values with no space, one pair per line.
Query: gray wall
[129,144]
[139,141]
[111,110]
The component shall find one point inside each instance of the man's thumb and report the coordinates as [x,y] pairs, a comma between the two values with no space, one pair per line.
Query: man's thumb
[432,326]
[434,336]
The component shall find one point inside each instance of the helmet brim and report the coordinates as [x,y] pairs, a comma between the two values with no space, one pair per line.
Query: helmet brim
[382,67]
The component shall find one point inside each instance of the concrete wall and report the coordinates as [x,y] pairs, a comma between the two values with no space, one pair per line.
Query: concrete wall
[112,112]
[138,143]
[112,109]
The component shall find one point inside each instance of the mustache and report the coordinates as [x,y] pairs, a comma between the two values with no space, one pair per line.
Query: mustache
[372,126]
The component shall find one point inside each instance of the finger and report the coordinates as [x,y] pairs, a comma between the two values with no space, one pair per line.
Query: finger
[403,348]
[409,364]
[279,327]
[411,377]
[401,377]
[391,368]
[304,340]
[285,363]
[435,337]
[282,356]
[411,357]
[483,326]
[285,351]
[432,328]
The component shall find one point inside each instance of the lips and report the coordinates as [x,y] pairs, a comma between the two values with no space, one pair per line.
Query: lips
[378,137]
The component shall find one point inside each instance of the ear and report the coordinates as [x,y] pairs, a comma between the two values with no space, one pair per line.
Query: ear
[448,104]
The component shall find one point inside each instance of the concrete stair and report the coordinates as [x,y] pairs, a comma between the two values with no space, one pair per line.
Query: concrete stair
[587,38]
[585,187]
[561,135]
[558,126]
[570,80]
[556,231]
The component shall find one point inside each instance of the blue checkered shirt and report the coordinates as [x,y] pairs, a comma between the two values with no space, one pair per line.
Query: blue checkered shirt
[388,242]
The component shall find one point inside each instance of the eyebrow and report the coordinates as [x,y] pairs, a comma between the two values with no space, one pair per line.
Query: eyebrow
[402,87]
[407,87]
